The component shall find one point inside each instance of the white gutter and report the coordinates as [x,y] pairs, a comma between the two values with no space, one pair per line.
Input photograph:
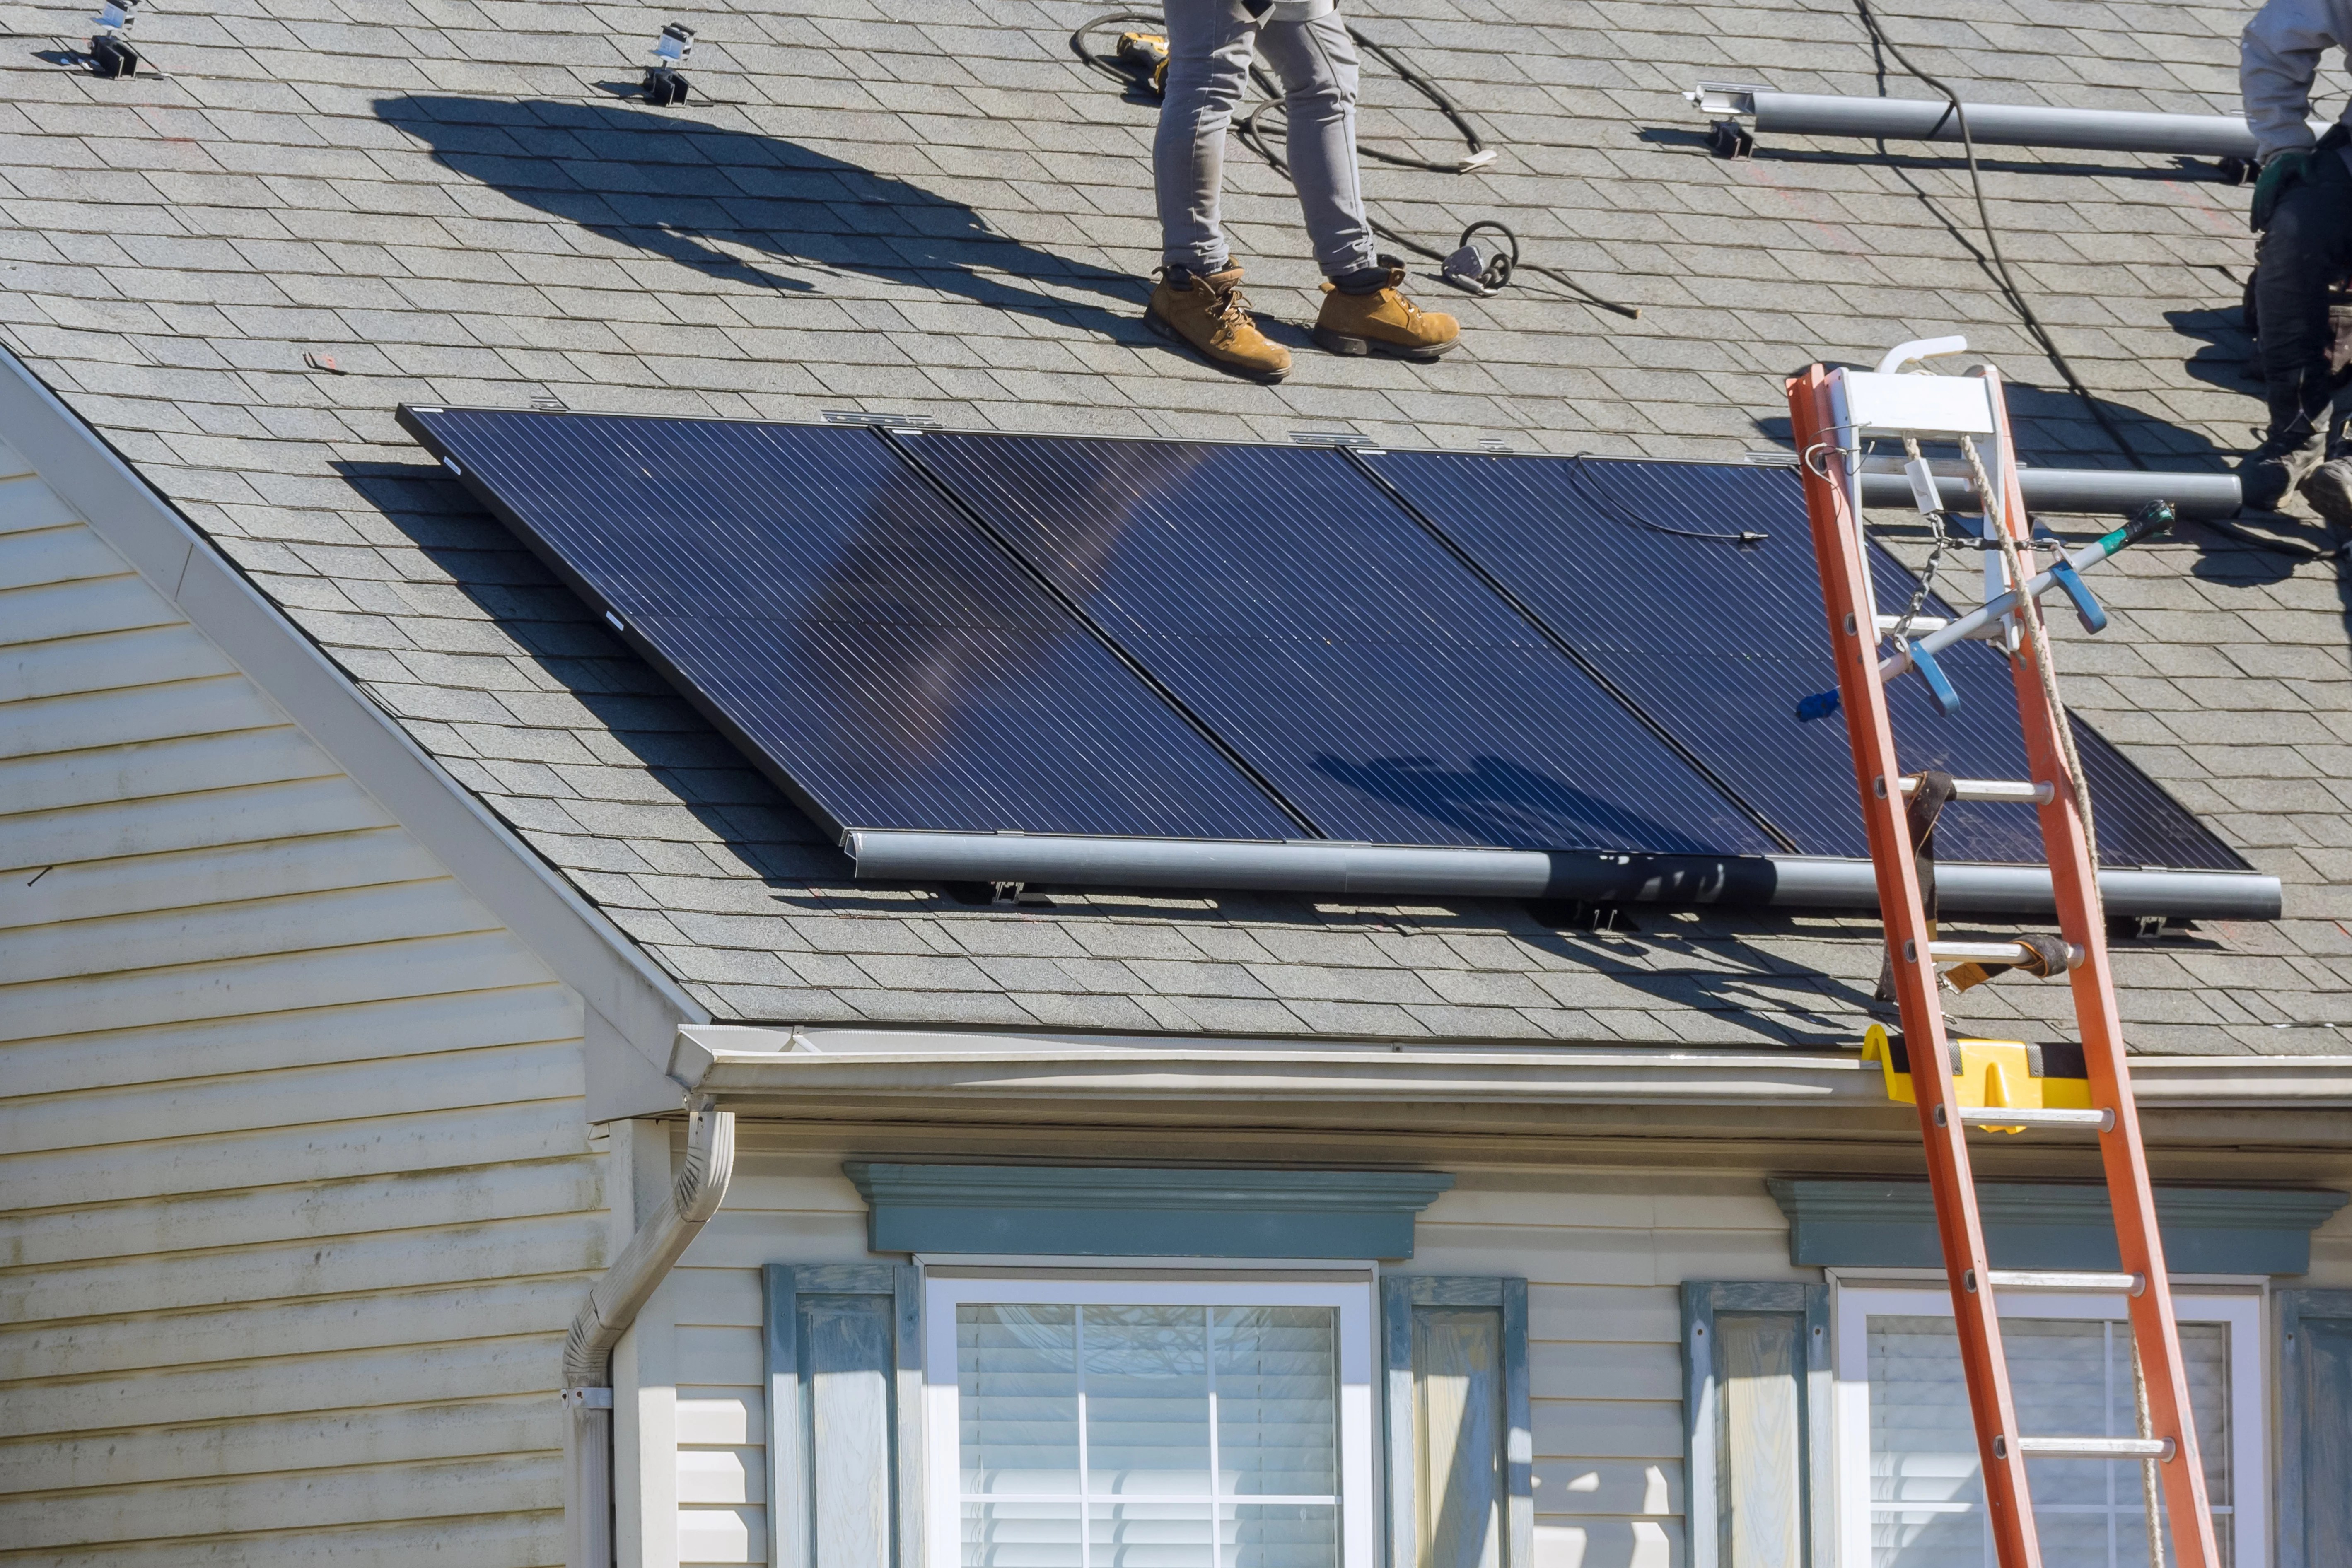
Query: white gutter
[723,1063]
[607,1313]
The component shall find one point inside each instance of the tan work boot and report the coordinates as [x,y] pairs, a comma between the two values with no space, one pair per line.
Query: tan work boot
[1383,322]
[1207,310]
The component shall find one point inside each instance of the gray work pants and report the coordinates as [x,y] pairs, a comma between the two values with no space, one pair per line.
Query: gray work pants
[1209,45]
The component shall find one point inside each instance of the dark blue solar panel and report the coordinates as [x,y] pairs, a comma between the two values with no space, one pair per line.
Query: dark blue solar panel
[849,627]
[1298,610]
[1717,641]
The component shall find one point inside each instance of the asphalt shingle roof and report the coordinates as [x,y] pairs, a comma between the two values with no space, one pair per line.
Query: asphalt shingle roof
[933,208]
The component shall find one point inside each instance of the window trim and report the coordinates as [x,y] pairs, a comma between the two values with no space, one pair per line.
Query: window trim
[1850,1310]
[1359,1495]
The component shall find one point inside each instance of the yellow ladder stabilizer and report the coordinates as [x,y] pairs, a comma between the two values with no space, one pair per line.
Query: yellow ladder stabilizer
[2002,1073]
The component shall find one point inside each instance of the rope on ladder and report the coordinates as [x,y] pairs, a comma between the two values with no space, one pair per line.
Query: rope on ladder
[2030,612]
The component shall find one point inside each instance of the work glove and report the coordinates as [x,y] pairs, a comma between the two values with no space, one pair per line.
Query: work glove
[2280,175]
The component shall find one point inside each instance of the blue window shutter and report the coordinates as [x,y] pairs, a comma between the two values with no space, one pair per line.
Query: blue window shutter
[2314,1429]
[1461,1443]
[844,1373]
[1756,1425]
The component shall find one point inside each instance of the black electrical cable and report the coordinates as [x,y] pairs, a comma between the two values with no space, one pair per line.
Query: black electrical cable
[2024,308]
[1255,138]
[1429,89]
[2017,300]
[1616,510]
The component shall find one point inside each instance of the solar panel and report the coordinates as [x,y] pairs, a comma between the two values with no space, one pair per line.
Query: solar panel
[1385,691]
[1716,641]
[822,604]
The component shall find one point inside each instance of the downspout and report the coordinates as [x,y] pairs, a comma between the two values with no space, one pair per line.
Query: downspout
[609,1311]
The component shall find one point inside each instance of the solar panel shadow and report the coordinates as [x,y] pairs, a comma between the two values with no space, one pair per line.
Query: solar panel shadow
[1384,691]
[1716,641]
[822,604]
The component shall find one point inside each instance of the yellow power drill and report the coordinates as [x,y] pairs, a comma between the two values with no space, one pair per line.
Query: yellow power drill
[1148,53]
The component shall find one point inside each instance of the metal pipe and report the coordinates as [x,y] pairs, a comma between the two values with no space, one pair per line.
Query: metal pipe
[1367,871]
[611,1306]
[1990,124]
[2099,490]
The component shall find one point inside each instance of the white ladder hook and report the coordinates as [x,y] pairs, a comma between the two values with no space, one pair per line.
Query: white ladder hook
[1918,349]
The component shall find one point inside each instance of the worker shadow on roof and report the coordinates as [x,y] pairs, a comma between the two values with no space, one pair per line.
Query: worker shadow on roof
[752,208]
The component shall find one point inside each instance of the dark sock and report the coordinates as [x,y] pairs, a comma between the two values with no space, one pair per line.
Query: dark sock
[1363,280]
[1180,276]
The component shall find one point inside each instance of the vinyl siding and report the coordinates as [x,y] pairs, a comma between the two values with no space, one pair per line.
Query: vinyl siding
[295,1199]
[1603,1255]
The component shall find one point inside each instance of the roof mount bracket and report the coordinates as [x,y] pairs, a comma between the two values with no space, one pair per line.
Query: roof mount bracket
[1730,139]
[880,421]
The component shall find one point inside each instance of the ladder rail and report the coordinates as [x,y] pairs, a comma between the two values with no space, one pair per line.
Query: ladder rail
[1854,634]
[2075,879]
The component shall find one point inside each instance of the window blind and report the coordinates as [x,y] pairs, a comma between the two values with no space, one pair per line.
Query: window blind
[1148,1437]
[2069,1377]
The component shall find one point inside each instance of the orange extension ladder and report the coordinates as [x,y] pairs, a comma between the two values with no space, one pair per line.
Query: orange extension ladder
[1833,411]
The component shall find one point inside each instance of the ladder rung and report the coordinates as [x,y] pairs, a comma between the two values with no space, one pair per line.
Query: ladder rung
[2061,1279]
[2092,1448]
[1999,953]
[2005,1117]
[2023,791]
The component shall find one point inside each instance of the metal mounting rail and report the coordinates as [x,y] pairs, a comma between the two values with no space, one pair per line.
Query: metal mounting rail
[2122,491]
[1837,414]
[1990,124]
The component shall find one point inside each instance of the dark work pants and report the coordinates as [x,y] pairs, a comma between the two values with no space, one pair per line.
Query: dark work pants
[2307,247]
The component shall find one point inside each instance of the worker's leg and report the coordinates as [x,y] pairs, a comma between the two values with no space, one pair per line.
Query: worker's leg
[1198,300]
[2307,246]
[1316,62]
[1209,45]
[1364,310]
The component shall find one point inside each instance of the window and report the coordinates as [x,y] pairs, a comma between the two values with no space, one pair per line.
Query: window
[1910,1496]
[1106,1422]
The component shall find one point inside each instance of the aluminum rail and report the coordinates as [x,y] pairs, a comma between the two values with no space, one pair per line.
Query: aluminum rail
[2092,490]
[1791,882]
[1990,124]
[611,1306]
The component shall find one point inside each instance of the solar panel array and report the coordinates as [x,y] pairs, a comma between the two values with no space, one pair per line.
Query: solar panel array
[1053,634]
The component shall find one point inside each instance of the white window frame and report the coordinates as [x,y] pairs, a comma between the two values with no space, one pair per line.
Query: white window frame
[1853,1306]
[1352,1301]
